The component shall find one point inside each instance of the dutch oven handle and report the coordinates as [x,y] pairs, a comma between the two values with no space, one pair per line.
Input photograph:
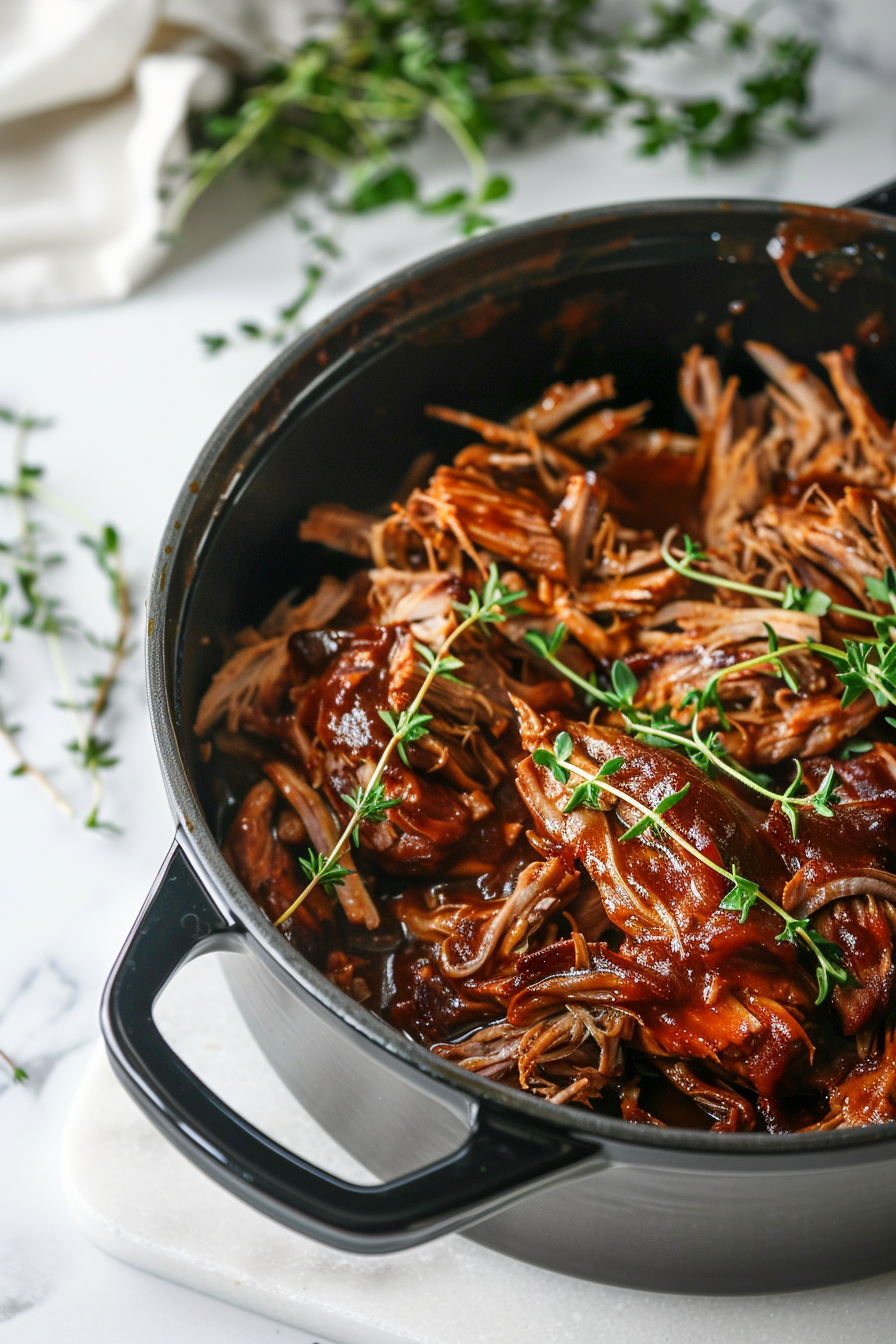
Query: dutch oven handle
[882,200]
[504,1157]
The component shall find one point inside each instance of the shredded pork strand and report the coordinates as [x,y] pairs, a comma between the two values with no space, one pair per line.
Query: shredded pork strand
[486,912]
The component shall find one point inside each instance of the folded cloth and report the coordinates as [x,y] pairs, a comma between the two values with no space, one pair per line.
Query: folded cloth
[94,96]
[54,52]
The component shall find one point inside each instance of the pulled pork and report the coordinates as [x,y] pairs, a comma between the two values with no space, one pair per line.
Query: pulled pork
[528,937]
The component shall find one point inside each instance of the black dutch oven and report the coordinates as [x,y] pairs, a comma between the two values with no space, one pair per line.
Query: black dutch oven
[338,416]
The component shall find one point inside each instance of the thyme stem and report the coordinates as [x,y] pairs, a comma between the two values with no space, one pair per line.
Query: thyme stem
[492,609]
[377,775]
[18,494]
[24,767]
[43,615]
[657,819]
[685,568]
[590,690]
[646,811]
[465,143]
[342,109]
[66,689]
[18,1075]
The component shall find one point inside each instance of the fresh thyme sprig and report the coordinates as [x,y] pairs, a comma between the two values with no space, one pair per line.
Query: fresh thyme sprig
[445,667]
[406,728]
[811,600]
[743,894]
[660,728]
[26,604]
[340,116]
[858,673]
[493,604]
[9,734]
[711,752]
[323,870]
[548,648]
[18,1075]
[371,806]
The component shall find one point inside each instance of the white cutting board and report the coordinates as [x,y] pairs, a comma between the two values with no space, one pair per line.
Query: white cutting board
[139,1199]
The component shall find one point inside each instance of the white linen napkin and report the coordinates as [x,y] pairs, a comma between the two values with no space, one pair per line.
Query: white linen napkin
[94,95]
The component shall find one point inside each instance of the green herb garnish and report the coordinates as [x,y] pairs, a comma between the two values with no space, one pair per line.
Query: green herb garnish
[492,604]
[743,894]
[340,116]
[18,1075]
[27,604]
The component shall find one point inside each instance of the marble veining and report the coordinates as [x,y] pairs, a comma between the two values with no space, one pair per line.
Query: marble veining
[39,1023]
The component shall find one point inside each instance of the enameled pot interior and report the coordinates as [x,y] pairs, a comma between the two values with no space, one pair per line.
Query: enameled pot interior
[485,328]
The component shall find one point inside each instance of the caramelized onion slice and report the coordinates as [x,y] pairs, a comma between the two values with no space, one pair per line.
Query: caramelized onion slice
[804,896]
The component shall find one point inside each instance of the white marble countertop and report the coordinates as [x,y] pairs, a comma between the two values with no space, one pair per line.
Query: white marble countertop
[134,400]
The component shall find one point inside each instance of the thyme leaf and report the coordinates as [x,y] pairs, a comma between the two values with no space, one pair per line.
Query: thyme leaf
[338,117]
[743,893]
[27,604]
[17,1074]
[625,684]
[488,606]
[650,822]
[883,590]
[588,794]
[372,806]
[742,896]
[811,600]
[444,667]
[547,758]
[407,727]
[856,747]
[493,604]
[323,870]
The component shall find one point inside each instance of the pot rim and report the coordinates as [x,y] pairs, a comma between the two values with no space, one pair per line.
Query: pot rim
[165,607]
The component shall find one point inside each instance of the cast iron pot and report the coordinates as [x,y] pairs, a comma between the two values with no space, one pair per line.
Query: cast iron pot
[338,416]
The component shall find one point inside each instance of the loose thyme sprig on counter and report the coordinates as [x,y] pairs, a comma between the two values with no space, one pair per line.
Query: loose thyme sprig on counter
[743,894]
[489,607]
[27,605]
[339,116]
[18,1075]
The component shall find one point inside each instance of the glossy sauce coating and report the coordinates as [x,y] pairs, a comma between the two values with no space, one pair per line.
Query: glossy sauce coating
[549,945]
